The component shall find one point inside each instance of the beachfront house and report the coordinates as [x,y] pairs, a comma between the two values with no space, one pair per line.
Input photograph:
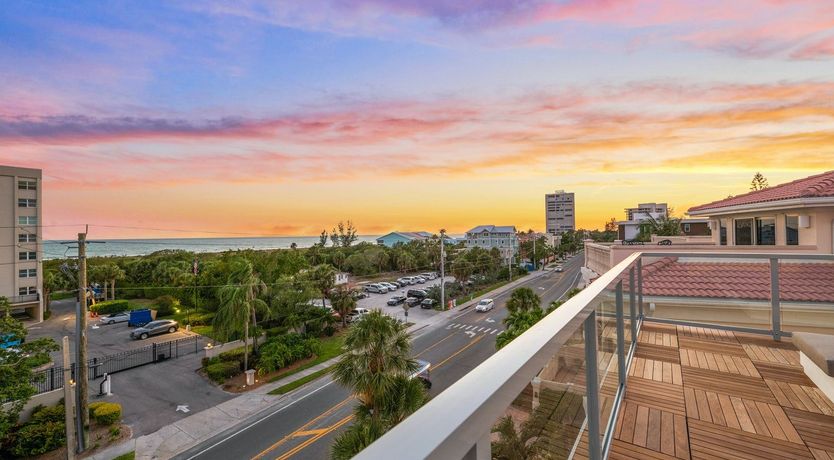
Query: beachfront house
[394,238]
[494,236]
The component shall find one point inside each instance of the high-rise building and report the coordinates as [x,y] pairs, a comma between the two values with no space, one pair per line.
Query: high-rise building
[20,239]
[643,210]
[560,216]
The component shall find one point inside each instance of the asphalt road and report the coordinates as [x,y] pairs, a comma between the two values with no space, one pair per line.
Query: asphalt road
[304,425]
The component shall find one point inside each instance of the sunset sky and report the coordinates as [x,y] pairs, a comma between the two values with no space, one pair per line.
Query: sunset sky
[284,117]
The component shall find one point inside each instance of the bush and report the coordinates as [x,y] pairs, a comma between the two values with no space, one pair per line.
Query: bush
[42,414]
[38,438]
[202,318]
[110,306]
[107,413]
[166,305]
[93,406]
[276,331]
[284,350]
[222,371]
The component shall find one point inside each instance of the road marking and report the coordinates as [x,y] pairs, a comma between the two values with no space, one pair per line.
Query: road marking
[470,333]
[315,438]
[493,331]
[302,428]
[473,342]
[183,408]
[309,432]
[481,329]
[490,320]
[435,344]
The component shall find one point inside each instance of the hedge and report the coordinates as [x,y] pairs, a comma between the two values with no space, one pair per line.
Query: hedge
[284,350]
[105,413]
[38,438]
[222,371]
[110,306]
[166,305]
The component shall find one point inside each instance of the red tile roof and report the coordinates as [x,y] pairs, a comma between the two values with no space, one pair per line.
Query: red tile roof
[820,185]
[798,282]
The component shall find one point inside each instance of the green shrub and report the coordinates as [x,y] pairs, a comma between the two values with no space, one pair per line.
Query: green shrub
[110,306]
[166,305]
[201,318]
[222,371]
[276,331]
[93,405]
[38,438]
[42,414]
[284,350]
[107,413]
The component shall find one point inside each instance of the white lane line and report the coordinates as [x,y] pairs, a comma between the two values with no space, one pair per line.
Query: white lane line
[481,329]
[494,331]
[469,327]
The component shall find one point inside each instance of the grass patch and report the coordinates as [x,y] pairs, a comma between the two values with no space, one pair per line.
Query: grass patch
[484,290]
[331,347]
[128,456]
[141,303]
[62,295]
[205,331]
[293,385]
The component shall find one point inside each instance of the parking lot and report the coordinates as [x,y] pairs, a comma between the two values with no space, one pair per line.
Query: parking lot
[379,301]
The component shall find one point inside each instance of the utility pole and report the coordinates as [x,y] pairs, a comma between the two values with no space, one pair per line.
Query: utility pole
[442,269]
[535,259]
[69,400]
[81,344]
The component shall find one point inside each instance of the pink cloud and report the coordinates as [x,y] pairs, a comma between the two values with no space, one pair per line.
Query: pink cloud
[821,49]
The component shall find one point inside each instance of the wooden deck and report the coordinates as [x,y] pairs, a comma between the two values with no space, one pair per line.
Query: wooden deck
[696,393]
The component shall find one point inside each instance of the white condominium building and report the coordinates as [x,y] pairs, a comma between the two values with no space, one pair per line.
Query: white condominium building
[560,215]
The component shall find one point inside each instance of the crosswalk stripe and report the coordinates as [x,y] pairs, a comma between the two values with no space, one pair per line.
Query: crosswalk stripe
[494,331]
[481,329]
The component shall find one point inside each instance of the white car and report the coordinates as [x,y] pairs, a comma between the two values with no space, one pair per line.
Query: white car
[391,286]
[376,288]
[485,305]
[420,279]
[559,268]
[357,314]
[429,275]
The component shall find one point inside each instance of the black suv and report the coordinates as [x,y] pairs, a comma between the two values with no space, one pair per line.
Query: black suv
[419,293]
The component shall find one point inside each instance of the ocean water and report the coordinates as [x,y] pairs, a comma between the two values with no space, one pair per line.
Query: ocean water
[138,247]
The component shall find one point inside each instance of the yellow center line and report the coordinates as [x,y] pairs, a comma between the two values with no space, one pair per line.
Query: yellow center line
[302,428]
[308,433]
[473,342]
[306,443]
[435,344]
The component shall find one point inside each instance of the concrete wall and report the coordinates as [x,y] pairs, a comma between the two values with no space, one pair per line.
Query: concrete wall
[50,398]
[228,346]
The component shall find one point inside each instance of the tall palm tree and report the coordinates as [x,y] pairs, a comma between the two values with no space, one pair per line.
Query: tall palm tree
[344,303]
[323,278]
[111,273]
[523,299]
[52,282]
[239,302]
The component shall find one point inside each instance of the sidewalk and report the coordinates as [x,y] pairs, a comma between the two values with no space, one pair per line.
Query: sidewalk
[179,436]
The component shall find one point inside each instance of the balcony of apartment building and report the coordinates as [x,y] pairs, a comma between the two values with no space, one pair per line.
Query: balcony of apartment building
[666,355]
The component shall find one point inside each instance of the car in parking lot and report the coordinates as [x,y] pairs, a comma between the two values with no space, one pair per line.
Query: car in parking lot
[391,286]
[412,301]
[376,288]
[120,317]
[407,280]
[485,305]
[396,300]
[358,293]
[419,293]
[420,279]
[357,314]
[428,303]
[161,326]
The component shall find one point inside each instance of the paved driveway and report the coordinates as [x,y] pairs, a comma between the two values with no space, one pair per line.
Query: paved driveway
[378,301]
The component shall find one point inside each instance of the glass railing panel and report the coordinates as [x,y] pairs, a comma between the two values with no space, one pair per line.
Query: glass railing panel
[549,415]
[607,355]
[806,295]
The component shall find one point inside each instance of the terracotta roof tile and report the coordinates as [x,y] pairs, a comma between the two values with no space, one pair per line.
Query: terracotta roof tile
[798,282]
[820,185]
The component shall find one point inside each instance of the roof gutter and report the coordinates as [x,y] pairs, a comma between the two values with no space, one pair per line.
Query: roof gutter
[766,205]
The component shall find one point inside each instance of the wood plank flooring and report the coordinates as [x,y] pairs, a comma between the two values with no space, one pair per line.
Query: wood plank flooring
[701,393]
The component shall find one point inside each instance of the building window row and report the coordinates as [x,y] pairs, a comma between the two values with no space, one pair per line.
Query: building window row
[27,238]
[30,290]
[27,203]
[27,185]
[28,273]
[27,255]
[27,220]
[761,231]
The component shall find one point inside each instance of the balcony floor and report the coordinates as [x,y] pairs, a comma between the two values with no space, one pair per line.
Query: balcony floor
[705,393]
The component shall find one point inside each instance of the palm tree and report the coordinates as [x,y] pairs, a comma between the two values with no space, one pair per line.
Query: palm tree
[52,282]
[239,302]
[111,273]
[344,303]
[523,299]
[323,278]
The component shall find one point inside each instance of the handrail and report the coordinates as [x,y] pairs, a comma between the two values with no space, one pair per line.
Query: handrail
[448,425]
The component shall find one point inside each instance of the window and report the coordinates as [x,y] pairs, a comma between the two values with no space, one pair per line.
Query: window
[766,231]
[27,220]
[27,255]
[31,290]
[27,185]
[27,203]
[687,228]
[792,230]
[723,232]
[744,232]
[28,273]
[27,238]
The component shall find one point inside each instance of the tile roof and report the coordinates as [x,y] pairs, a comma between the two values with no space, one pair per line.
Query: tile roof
[820,185]
[798,282]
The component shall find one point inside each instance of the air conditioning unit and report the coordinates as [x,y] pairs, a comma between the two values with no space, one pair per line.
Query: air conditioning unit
[804,221]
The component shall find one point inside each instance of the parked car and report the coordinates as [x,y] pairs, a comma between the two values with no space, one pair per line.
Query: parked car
[420,279]
[396,300]
[358,293]
[120,317]
[412,301]
[403,281]
[428,303]
[140,317]
[391,286]
[419,293]
[155,328]
[357,314]
[407,280]
[429,275]
[376,288]
[485,305]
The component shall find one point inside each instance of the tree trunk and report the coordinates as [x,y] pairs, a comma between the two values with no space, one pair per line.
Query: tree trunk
[246,344]
[255,328]
[113,289]
[105,290]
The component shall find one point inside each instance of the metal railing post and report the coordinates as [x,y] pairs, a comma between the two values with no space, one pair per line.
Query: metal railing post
[632,307]
[640,285]
[621,355]
[775,307]
[592,388]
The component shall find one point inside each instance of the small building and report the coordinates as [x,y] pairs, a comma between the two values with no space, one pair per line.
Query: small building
[629,229]
[393,238]
[492,236]
[341,278]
